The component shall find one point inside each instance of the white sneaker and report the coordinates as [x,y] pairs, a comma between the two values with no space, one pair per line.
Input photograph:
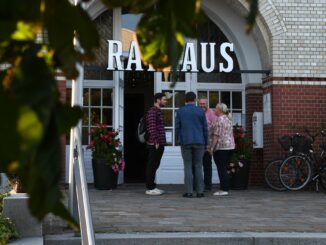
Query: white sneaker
[154,192]
[221,193]
[159,190]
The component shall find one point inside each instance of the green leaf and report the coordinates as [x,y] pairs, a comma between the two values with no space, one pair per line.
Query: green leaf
[253,12]
[61,33]
[29,127]
[10,150]
[67,116]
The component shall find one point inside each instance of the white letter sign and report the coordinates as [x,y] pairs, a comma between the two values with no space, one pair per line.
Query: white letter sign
[189,58]
[227,57]
[114,55]
[203,57]
[134,57]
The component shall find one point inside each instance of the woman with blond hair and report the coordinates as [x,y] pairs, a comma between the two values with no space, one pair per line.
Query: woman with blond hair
[221,145]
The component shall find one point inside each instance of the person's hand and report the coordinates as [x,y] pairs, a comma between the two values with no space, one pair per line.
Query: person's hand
[157,146]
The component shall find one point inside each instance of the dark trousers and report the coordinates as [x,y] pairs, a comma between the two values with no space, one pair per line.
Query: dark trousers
[222,161]
[207,166]
[153,163]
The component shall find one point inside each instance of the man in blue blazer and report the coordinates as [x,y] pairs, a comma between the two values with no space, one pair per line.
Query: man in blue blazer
[191,131]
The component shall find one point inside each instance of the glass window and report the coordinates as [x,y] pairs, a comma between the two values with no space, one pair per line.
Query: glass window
[237,100]
[226,98]
[176,99]
[107,97]
[213,99]
[233,102]
[97,108]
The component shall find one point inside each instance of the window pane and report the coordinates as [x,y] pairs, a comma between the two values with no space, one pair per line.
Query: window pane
[225,98]
[179,98]
[107,116]
[85,116]
[236,100]
[86,97]
[107,97]
[68,96]
[213,99]
[95,116]
[237,118]
[169,136]
[202,95]
[169,97]
[95,97]
[85,136]
[167,114]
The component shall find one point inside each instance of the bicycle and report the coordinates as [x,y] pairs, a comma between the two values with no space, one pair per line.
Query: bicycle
[272,177]
[303,167]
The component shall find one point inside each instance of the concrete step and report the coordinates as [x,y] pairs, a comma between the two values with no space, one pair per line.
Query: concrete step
[209,238]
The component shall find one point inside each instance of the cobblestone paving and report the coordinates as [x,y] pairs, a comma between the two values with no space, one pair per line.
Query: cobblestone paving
[128,209]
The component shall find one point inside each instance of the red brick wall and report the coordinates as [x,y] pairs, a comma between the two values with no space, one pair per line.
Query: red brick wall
[254,103]
[62,90]
[293,108]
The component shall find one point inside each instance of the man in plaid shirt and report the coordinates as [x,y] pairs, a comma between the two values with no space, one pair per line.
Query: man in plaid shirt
[155,143]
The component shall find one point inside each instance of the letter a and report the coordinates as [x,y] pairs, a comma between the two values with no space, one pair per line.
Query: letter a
[134,57]
[189,58]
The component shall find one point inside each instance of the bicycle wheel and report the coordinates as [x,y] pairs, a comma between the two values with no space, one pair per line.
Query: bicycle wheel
[272,176]
[295,172]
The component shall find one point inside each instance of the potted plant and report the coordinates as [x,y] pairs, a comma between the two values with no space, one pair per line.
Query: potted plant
[107,158]
[240,161]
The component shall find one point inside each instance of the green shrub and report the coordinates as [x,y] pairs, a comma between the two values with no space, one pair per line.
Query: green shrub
[2,196]
[7,230]
[7,227]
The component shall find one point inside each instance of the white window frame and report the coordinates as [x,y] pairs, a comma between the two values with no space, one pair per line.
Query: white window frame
[100,84]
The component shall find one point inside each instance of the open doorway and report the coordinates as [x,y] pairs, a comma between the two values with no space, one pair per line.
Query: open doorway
[139,90]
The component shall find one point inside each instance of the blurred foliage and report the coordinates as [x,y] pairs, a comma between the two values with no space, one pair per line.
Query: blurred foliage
[36,41]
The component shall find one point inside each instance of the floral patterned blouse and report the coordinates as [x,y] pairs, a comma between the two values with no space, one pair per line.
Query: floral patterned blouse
[222,129]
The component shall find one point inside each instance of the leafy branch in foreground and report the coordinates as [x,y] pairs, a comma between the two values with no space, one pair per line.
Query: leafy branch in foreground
[36,41]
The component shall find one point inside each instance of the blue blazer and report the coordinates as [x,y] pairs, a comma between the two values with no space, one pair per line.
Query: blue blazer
[191,125]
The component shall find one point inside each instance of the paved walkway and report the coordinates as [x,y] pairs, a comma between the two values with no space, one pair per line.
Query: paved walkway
[128,210]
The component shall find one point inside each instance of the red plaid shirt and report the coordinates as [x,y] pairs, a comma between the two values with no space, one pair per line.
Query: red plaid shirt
[155,126]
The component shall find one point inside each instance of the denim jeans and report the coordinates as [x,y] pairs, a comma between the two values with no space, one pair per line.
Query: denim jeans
[207,166]
[193,156]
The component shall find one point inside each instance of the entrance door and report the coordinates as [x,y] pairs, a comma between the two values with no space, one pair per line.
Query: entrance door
[135,152]
[138,97]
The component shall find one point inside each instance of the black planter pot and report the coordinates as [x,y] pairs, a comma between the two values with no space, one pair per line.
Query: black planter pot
[104,177]
[240,180]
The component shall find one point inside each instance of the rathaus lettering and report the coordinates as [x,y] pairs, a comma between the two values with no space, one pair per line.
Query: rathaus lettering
[189,61]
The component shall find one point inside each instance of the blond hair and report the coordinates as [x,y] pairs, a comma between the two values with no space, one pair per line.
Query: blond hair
[225,110]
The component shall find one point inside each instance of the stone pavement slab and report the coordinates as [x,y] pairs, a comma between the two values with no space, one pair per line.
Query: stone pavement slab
[207,238]
[128,210]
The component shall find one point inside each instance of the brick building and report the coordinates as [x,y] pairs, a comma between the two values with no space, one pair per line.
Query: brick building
[281,72]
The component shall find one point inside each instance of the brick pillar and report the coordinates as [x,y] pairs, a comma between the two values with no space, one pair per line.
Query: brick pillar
[297,102]
[62,90]
[254,103]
